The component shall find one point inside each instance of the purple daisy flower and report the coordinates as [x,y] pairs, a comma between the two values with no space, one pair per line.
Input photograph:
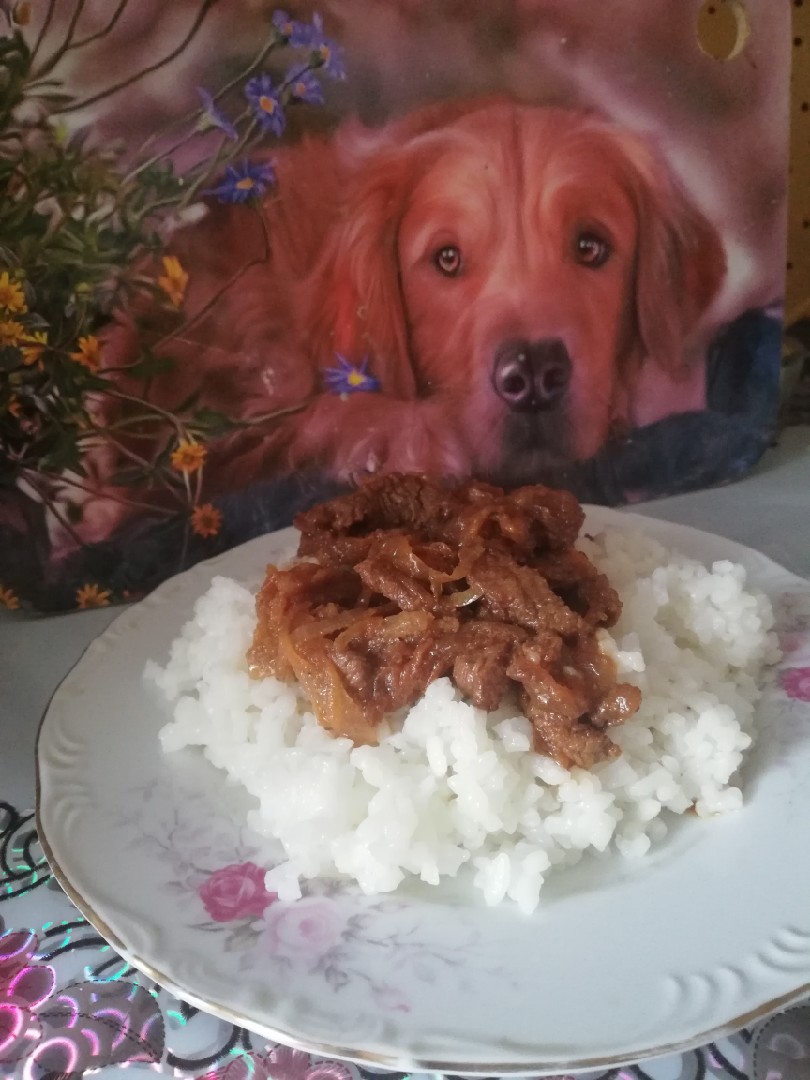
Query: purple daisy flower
[213,116]
[327,53]
[348,378]
[304,85]
[266,104]
[244,182]
[296,33]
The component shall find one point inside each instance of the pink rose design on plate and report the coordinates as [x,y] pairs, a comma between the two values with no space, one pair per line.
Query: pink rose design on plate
[796,683]
[308,927]
[236,892]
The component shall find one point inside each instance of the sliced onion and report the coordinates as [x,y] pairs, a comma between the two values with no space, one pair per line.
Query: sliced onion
[406,624]
[464,597]
[346,620]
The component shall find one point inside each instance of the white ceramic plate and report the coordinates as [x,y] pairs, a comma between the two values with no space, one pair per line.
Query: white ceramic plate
[623,959]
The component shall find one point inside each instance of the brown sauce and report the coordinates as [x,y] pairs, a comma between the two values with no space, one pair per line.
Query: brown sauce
[408,580]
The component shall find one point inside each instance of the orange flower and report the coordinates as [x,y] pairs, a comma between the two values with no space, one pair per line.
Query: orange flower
[9,599]
[189,456]
[22,12]
[206,520]
[174,280]
[89,596]
[88,353]
[33,350]
[11,332]
[14,405]
[11,294]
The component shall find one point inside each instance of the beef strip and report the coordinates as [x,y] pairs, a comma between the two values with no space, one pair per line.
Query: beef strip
[415,580]
[575,579]
[572,700]
[479,669]
[519,594]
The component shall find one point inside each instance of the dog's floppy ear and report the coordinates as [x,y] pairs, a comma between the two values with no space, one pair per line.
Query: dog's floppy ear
[357,291]
[681,264]
[360,310]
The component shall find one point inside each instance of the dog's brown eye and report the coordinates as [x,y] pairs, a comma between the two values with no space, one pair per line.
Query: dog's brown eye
[448,260]
[591,250]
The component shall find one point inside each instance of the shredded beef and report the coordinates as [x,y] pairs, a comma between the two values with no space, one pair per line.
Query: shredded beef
[413,580]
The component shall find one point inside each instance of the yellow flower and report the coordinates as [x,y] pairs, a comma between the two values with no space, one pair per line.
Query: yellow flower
[9,599]
[206,520]
[174,280]
[11,332]
[33,350]
[92,596]
[189,456]
[11,294]
[88,353]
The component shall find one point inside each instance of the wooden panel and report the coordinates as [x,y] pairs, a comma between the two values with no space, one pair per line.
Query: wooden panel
[798,291]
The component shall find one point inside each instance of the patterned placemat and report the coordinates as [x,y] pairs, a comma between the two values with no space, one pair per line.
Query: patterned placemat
[71,1007]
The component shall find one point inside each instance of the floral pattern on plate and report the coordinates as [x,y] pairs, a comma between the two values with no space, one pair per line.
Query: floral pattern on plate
[55,970]
[215,870]
[793,629]
[368,977]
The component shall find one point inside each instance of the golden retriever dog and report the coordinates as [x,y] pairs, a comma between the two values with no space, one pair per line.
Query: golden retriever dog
[507,273]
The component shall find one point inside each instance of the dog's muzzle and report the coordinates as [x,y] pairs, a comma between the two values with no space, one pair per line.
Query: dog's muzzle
[531,375]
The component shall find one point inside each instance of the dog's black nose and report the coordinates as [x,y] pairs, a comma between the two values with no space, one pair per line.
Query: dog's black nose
[531,374]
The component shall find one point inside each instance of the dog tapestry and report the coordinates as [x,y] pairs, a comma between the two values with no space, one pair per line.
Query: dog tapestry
[251,255]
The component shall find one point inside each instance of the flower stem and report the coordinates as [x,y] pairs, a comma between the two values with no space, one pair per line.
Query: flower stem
[277,414]
[142,461]
[191,192]
[133,173]
[221,292]
[197,112]
[106,493]
[57,54]
[39,84]
[116,15]
[121,396]
[46,25]
[184,549]
[74,106]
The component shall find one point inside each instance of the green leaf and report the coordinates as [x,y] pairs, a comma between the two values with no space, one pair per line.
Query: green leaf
[213,422]
[88,380]
[10,358]
[55,97]
[151,365]
[64,455]
[187,403]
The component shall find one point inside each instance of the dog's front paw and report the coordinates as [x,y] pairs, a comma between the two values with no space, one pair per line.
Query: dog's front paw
[362,436]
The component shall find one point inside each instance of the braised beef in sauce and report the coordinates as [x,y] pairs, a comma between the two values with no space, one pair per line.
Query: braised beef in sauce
[406,580]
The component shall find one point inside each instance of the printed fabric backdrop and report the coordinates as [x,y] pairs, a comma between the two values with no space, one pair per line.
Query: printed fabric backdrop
[250,255]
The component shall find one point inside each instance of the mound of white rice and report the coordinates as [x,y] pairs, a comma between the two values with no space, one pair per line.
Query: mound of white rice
[450,785]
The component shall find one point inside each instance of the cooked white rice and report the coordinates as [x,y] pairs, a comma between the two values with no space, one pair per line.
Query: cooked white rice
[451,785]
